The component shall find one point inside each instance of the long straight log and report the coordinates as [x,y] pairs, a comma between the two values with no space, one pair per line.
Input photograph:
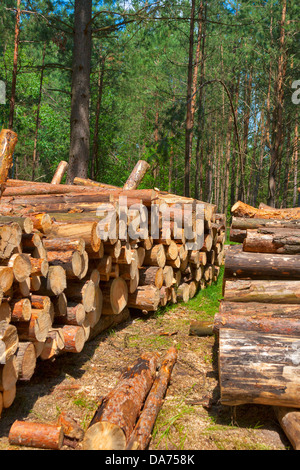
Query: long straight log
[114,421]
[141,435]
[275,291]
[258,368]
[244,223]
[241,264]
[258,316]
[60,172]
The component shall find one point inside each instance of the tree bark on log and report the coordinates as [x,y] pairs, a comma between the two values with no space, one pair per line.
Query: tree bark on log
[60,172]
[275,291]
[137,175]
[244,223]
[241,209]
[281,241]
[241,264]
[114,421]
[141,435]
[145,298]
[257,316]
[259,368]
[8,142]
[37,435]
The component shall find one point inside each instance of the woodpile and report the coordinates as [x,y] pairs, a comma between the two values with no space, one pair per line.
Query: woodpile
[68,272]
[257,325]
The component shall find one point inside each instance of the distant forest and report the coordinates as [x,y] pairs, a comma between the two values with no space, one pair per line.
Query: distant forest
[208,92]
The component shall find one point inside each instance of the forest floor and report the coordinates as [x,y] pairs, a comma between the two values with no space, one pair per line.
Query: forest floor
[191,418]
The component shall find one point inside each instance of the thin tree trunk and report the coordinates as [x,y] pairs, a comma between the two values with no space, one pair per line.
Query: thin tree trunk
[37,122]
[15,67]
[277,131]
[189,119]
[295,194]
[80,122]
[98,108]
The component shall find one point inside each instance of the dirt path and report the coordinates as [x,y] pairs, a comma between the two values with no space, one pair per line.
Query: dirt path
[192,417]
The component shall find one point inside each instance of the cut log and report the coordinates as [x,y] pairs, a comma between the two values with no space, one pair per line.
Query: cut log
[244,223]
[237,235]
[183,292]
[37,435]
[55,283]
[137,175]
[37,328]
[115,296]
[152,275]
[8,374]
[26,360]
[289,420]
[145,298]
[8,142]
[201,328]
[60,172]
[53,345]
[5,311]
[82,292]
[25,223]
[39,267]
[241,209]
[156,256]
[241,264]
[270,240]
[9,341]
[259,316]
[114,421]
[20,310]
[74,338]
[258,368]
[75,315]
[275,291]
[64,244]
[70,261]
[141,435]
[6,279]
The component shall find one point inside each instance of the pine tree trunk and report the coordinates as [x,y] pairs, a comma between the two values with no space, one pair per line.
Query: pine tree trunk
[80,133]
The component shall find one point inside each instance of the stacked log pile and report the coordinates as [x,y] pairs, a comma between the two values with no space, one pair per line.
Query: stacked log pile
[257,325]
[66,273]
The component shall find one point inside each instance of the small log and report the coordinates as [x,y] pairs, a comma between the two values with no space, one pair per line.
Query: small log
[152,275]
[9,341]
[258,368]
[74,338]
[5,311]
[115,296]
[20,310]
[70,261]
[289,420]
[201,328]
[145,298]
[37,435]
[26,360]
[136,175]
[60,172]
[55,283]
[39,267]
[114,421]
[75,315]
[37,328]
[156,256]
[8,374]
[141,435]
[53,345]
[82,292]
[64,244]
[183,292]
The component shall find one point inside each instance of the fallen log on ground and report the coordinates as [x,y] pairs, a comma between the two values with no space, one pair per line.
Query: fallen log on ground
[141,435]
[256,367]
[115,419]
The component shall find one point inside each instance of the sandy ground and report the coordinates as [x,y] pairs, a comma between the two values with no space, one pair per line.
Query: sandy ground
[191,418]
